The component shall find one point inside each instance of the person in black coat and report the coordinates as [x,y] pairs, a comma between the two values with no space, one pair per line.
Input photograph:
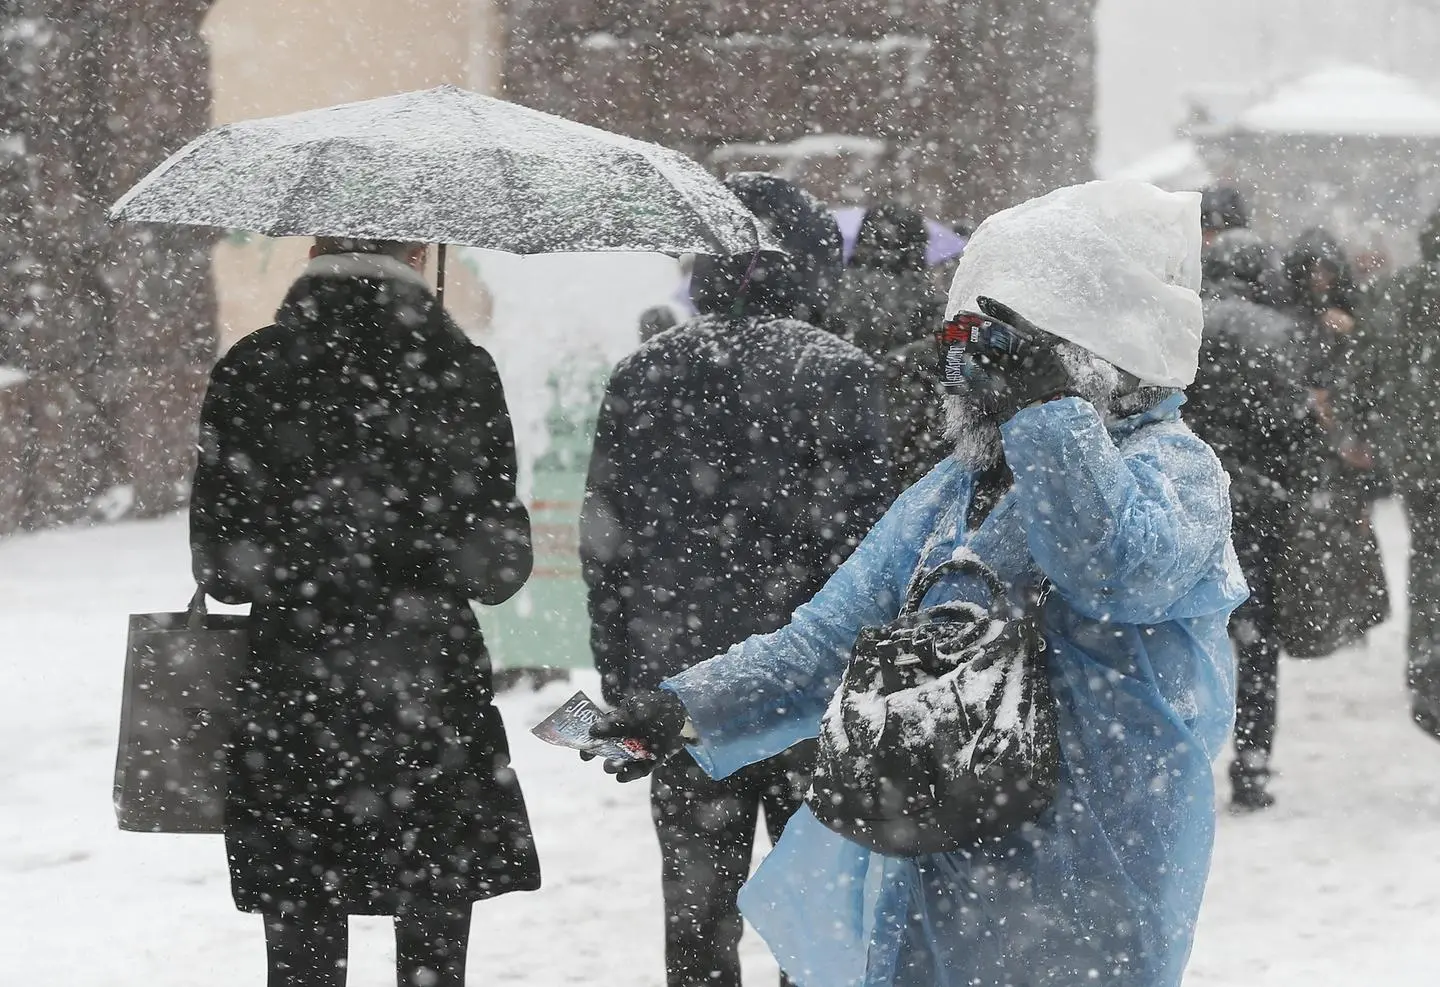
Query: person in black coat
[1248,402]
[738,459]
[1222,208]
[888,306]
[356,485]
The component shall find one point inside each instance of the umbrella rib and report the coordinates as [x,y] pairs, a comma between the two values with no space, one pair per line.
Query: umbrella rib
[643,150]
[158,173]
[312,164]
[678,186]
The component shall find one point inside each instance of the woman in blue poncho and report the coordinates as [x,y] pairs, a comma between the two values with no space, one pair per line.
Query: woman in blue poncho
[1071,463]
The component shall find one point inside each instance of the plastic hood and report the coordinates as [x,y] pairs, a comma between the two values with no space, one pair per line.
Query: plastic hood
[1111,266]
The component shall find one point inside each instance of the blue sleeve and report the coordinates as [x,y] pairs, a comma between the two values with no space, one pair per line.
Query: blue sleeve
[1122,537]
[767,693]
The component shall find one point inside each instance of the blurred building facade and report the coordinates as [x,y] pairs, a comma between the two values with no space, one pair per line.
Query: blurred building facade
[961,106]
[106,334]
[108,331]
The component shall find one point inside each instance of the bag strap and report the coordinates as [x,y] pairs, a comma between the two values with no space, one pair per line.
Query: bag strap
[196,613]
[969,566]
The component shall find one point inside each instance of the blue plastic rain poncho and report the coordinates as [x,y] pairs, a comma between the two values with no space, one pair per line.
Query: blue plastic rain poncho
[1131,524]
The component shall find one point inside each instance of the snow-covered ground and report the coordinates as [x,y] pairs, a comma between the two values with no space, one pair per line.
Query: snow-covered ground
[1338,885]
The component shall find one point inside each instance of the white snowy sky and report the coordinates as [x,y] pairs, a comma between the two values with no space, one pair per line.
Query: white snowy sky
[1153,52]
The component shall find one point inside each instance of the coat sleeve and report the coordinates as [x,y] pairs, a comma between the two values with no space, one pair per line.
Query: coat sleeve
[227,558]
[1123,537]
[768,693]
[472,537]
[605,516]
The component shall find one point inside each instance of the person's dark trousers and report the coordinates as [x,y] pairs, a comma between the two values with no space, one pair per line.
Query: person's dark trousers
[1257,696]
[707,835]
[1258,544]
[430,947]
[1423,507]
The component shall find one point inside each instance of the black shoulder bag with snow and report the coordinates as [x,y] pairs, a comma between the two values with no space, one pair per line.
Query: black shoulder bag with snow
[942,734]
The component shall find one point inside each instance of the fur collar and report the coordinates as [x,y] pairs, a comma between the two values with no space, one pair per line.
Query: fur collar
[375,266]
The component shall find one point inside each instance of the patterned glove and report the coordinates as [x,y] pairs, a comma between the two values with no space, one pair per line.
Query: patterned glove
[1032,373]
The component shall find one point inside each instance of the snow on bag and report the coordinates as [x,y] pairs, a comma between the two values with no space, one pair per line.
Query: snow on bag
[942,733]
[176,713]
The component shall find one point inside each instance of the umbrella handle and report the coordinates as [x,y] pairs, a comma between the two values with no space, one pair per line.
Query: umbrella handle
[195,613]
[737,307]
[440,274]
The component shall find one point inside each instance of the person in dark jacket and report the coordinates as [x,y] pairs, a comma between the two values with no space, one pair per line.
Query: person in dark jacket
[1405,386]
[1248,402]
[1222,208]
[738,460]
[356,485]
[889,307]
[1323,303]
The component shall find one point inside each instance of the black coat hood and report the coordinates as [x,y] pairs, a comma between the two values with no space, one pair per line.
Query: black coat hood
[1314,248]
[892,238]
[781,286]
[1239,263]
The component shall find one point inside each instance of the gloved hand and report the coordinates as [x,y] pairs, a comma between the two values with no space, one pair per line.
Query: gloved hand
[656,719]
[1012,381]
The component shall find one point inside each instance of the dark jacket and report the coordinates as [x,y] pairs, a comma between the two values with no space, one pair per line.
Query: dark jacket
[889,308]
[798,284]
[1249,401]
[356,484]
[1404,365]
[915,402]
[738,460]
[1328,355]
[1337,367]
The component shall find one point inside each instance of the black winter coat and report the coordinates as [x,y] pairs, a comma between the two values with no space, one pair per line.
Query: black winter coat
[1403,372]
[356,484]
[888,306]
[1249,403]
[915,396]
[736,465]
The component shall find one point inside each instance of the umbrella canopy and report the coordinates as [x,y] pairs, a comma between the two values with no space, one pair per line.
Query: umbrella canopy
[444,166]
[942,243]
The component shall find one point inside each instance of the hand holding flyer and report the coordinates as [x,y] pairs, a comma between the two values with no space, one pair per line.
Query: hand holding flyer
[569,726]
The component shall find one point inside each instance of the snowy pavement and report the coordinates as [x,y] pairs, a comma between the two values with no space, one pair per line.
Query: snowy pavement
[1339,884]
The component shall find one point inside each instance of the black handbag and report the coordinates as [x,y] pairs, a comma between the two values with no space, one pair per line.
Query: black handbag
[942,734]
[176,719]
[1329,581]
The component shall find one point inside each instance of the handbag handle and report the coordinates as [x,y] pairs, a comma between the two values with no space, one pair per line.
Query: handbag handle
[966,566]
[196,613]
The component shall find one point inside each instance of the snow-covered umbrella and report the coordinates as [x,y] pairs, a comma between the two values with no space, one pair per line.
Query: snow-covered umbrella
[444,166]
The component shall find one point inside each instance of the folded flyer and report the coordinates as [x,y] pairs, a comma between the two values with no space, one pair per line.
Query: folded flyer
[569,726]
